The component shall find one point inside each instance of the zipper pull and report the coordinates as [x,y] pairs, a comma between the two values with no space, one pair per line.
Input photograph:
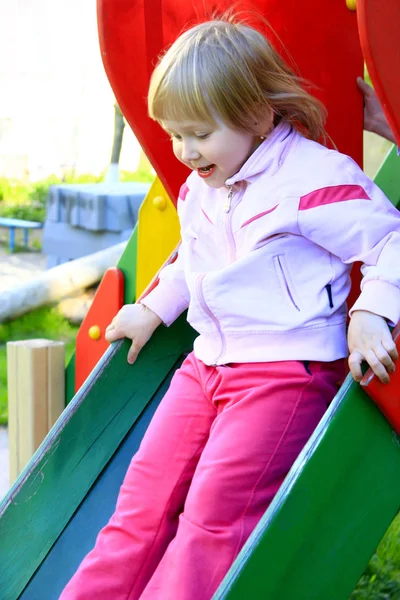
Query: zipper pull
[227,205]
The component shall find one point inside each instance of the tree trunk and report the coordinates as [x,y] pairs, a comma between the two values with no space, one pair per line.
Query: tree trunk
[112,175]
[119,125]
[58,283]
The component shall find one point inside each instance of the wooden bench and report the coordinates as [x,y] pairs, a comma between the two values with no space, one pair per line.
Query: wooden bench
[14,224]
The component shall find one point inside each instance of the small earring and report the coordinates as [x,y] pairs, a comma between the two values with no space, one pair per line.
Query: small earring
[262,137]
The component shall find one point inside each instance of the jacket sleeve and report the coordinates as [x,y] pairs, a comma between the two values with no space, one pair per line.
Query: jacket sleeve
[171,295]
[356,222]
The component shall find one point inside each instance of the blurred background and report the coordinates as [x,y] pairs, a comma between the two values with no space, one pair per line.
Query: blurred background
[56,105]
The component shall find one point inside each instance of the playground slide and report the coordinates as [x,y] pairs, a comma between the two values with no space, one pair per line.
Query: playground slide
[313,542]
[67,478]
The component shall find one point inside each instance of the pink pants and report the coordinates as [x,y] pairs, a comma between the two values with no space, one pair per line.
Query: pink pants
[216,452]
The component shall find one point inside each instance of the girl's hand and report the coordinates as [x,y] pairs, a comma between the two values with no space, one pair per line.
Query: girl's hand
[374,117]
[369,339]
[136,322]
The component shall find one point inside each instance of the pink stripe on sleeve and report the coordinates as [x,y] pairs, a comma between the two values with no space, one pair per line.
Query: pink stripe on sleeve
[330,195]
[183,191]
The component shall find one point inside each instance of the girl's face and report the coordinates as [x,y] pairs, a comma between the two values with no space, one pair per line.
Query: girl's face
[216,152]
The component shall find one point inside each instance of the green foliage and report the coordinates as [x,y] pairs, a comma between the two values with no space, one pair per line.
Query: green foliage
[28,212]
[27,200]
[46,323]
[71,178]
[36,244]
[13,190]
[142,175]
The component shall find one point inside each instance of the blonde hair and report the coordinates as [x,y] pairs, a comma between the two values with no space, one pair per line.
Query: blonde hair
[228,70]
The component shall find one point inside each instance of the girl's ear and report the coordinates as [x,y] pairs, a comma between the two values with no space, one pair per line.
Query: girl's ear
[265,125]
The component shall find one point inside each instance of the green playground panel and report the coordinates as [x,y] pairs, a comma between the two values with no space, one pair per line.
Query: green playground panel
[388,176]
[128,265]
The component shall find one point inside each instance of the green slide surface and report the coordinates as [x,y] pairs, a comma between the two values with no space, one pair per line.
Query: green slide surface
[75,453]
[331,512]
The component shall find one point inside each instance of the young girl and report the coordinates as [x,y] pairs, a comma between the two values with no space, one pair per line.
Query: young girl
[271,222]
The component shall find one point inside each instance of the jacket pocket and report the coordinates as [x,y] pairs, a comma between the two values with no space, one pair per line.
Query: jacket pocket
[285,280]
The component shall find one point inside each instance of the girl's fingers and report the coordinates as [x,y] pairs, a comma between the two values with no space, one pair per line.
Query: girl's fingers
[391,349]
[384,356]
[363,85]
[377,365]
[133,352]
[112,335]
[355,360]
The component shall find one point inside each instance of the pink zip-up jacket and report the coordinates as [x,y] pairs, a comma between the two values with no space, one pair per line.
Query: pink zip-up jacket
[264,263]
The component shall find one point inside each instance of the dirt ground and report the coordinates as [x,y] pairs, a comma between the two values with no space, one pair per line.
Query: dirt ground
[20,266]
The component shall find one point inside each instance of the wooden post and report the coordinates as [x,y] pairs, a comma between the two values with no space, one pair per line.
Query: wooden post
[36,396]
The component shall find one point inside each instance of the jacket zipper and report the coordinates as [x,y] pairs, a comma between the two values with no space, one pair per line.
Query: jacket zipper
[228,210]
[227,205]
[209,313]
[231,255]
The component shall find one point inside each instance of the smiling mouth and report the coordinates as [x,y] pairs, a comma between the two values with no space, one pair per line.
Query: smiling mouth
[205,171]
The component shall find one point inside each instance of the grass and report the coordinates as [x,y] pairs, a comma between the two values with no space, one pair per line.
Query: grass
[27,200]
[44,322]
[381,579]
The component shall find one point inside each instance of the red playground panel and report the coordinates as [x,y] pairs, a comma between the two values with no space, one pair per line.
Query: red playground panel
[321,36]
[90,341]
[379,23]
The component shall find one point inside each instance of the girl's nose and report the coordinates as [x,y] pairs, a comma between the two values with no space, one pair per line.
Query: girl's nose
[189,151]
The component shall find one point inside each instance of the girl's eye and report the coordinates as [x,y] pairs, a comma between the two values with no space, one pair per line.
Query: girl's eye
[175,136]
[202,136]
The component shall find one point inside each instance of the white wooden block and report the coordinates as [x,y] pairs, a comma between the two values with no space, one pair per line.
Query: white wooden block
[36,396]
